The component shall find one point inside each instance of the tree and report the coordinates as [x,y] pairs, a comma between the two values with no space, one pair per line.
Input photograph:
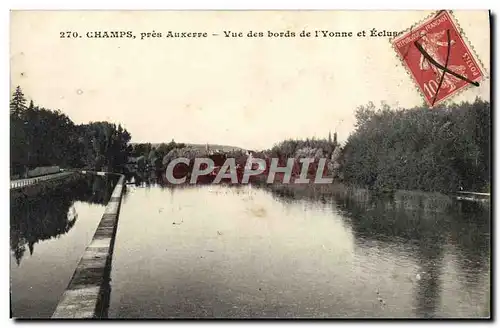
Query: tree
[18,102]
[432,150]
[41,137]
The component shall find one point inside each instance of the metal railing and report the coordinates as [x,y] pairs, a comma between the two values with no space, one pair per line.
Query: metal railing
[21,183]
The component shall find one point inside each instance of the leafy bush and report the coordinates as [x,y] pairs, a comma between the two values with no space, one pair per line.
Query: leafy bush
[441,149]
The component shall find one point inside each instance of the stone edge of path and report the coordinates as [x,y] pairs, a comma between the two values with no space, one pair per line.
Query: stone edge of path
[85,295]
[37,181]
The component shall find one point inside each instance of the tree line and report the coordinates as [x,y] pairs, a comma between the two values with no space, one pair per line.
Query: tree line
[42,137]
[441,149]
[147,154]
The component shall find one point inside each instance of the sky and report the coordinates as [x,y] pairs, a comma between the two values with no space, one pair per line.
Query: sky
[247,92]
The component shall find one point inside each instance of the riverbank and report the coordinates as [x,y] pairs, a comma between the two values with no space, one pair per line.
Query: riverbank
[25,188]
[311,191]
[404,199]
[87,295]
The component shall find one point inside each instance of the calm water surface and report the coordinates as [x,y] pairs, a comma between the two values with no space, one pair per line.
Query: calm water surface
[218,251]
[48,235]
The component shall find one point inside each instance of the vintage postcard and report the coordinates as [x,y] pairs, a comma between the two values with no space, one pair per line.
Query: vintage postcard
[250,164]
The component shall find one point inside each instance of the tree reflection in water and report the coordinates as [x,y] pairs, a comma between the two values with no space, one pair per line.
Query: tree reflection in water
[48,216]
[426,228]
[423,223]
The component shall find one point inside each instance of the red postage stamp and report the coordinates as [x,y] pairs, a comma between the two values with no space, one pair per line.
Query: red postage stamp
[438,58]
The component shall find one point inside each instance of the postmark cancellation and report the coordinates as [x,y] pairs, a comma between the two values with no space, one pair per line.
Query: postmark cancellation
[439,58]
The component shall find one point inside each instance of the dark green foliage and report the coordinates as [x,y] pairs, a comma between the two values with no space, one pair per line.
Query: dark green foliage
[289,148]
[18,103]
[441,149]
[41,137]
[104,145]
[155,154]
[141,149]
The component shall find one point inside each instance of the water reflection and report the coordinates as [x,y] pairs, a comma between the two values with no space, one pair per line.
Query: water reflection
[410,227]
[278,252]
[422,225]
[48,216]
[49,234]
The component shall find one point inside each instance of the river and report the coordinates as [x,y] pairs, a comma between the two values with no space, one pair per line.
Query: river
[236,252]
[48,235]
[219,251]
